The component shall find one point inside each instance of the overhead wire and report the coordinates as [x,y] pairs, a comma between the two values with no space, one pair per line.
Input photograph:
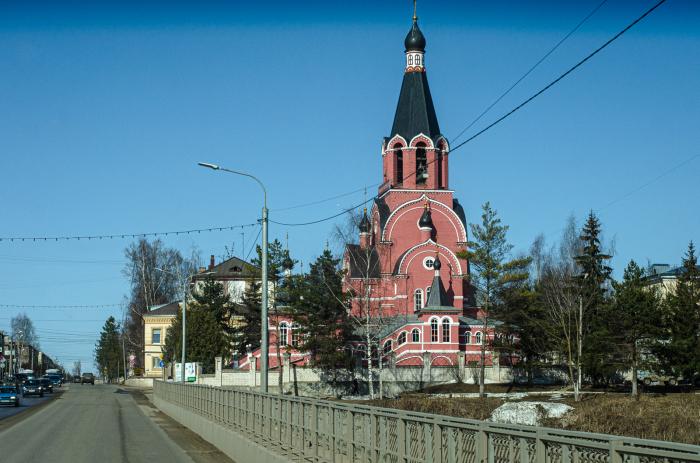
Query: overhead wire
[529,71]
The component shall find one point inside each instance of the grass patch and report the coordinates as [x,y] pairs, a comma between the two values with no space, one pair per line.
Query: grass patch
[671,417]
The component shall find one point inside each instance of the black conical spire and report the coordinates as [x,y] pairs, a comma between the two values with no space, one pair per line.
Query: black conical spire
[364,223]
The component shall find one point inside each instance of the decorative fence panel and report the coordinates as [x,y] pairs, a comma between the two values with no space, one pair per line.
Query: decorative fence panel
[305,429]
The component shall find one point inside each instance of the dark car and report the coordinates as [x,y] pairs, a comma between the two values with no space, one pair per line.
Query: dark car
[9,395]
[32,387]
[88,378]
[46,384]
[56,380]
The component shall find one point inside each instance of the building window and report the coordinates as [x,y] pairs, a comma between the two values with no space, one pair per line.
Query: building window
[399,165]
[427,295]
[387,347]
[415,335]
[418,300]
[428,262]
[155,336]
[410,59]
[468,337]
[439,170]
[402,338]
[417,60]
[155,363]
[445,330]
[477,337]
[433,330]
[296,336]
[284,330]
[421,164]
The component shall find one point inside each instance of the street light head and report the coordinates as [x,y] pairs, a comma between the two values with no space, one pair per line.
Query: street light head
[208,165]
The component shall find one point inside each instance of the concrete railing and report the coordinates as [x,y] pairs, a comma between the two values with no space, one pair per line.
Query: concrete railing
[303,429]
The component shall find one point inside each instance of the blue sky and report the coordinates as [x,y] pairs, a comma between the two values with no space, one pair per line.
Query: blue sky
[106,108]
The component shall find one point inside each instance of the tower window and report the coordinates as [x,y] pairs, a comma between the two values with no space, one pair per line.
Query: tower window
[417,60]
[427,294]
[421,165]
[399,165]
[418,300]
[439,170]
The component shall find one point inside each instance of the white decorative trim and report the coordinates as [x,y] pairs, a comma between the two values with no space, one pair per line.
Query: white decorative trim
[447,253]
[426,138]
[456,222]
[396,139]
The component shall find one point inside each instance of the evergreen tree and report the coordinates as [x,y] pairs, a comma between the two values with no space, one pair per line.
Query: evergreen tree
[108,350]
[276,254]
[679,349]
[209,333]
[249,334]
[319,308]
[633,317]
[594,275]
[492,270]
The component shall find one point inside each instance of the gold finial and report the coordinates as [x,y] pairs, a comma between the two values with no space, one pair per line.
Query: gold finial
[415,18]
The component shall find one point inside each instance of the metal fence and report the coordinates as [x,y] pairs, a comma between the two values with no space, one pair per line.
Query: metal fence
[306,429]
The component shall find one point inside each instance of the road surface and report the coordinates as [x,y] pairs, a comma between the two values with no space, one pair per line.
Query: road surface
[25,403]
[101,423]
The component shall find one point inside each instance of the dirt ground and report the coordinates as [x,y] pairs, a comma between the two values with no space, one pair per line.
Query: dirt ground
[661,416]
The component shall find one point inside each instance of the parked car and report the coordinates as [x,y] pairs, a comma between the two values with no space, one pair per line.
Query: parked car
[9,395]
[76,379]
[88,378]
[46,384]
[32,387]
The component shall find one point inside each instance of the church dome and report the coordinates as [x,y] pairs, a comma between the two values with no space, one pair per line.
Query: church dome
[415,40]
[436,263]
[426,220]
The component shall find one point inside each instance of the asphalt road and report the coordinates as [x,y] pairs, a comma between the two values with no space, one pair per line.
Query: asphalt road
[101,423]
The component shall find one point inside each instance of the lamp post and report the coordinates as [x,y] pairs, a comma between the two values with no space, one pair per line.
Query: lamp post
[184,318]
[263,312]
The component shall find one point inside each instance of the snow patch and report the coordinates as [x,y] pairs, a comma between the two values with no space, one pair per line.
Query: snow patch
[528,413]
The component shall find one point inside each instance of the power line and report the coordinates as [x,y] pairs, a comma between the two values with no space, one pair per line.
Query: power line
[534,66]
[561,77]
[92,306]
[124,235]
[255,242]
[505,116]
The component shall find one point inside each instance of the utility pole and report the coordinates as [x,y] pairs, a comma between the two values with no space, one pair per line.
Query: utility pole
[264,345]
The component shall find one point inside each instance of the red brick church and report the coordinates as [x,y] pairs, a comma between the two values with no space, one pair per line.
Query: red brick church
[405,269]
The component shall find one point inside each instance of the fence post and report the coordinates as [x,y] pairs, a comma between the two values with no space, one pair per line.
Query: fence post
[616,451]
[540,449]
[481,444]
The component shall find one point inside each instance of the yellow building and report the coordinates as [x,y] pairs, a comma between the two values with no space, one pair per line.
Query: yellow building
[156,323]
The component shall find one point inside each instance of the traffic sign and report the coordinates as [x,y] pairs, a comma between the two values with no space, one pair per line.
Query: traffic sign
[161,363]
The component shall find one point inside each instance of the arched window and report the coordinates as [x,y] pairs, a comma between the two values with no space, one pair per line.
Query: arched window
[427,294]
[296,335]
[399,164]
[445,330]
[417,60]
[387,347]
[402,338]
[434,330]
[477,337]
[468,337]
[421,164]
[410,59]
[418,299]
[284,329]
[415,335]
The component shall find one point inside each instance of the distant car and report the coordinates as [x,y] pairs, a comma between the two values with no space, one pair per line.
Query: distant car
[9,396]
[56,380]
[32,387]
[88,378]
[76,379]
[46,384]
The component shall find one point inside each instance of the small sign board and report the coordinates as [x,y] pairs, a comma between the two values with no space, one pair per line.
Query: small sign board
[161,363]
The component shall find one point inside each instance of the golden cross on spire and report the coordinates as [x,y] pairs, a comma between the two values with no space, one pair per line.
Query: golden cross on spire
[415,18]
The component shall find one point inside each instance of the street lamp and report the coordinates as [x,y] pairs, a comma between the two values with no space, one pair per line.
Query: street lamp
[263,312]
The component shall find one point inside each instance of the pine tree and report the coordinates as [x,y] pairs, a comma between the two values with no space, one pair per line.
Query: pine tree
[248,335]
[679,349]
[594,275]
[108,351]
[319,308]
[633,317]
[493,270]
